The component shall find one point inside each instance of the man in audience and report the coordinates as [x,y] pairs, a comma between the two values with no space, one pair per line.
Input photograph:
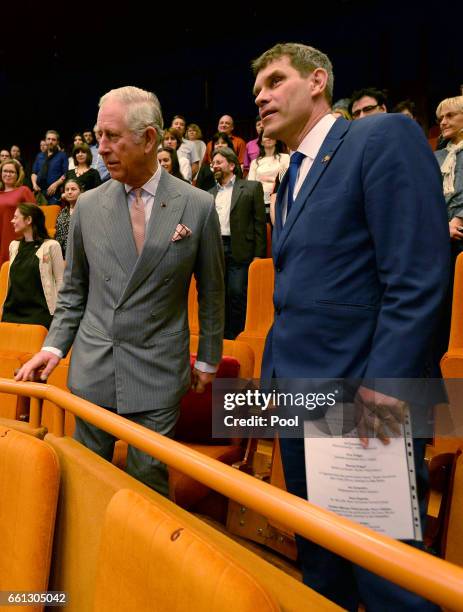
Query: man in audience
[241,209]
[252,148]
[351,300]
[4,155]
[133,246]
[187,149]
[98,161]
[226,126]
[90,140]
[49,169]
[366,102]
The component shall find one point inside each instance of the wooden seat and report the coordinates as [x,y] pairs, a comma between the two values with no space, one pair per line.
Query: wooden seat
[18,342]
[259,310]
[29,484]
[168,552]
[51,213]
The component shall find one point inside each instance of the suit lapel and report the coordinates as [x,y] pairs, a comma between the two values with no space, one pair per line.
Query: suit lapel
[327,151]
[167,211]
[237,191]
[118,227]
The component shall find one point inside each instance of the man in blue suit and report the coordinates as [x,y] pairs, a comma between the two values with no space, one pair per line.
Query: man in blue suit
[360,248]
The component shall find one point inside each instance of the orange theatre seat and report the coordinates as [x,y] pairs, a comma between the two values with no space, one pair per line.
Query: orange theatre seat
[29,483]
[259,310]
[3,284]
[150,559]
[51,213]
[18,343]
[193,307]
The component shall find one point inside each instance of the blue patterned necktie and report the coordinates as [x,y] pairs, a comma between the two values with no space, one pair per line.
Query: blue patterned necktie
[294,165]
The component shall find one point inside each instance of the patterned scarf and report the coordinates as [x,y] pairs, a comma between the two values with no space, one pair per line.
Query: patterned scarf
[448,167]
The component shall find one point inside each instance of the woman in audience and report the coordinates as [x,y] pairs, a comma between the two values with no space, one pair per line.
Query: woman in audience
[36,270]
[193,133]
[205,177]
[83,173]
[77,139]
[12,193]
[450,118]
[72,190]
[270,164]
[172,140]
[168,159]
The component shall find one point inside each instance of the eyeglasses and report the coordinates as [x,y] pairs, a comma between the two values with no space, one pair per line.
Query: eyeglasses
[365,110]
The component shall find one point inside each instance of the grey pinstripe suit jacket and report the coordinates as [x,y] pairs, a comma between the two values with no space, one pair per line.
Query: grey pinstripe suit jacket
[127,315]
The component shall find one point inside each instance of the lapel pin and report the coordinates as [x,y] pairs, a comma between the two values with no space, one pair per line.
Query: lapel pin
[163,204]
[326,159]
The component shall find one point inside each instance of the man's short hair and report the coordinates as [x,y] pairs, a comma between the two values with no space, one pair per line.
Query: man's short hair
[372,92]
[229,155]
[143,109]
[52,132]
[303,58]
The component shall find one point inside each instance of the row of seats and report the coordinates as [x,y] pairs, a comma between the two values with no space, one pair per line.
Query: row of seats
[117,544]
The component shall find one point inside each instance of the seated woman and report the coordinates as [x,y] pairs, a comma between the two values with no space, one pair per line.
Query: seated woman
[168,159]
[36,270]
[270,164]
[72,190]
[172,140]
[12,193]
[83,173]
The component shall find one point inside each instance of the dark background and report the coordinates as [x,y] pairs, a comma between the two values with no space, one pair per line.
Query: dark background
[56,61]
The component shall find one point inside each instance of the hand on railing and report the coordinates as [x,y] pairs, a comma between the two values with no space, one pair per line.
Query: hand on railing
[38,368]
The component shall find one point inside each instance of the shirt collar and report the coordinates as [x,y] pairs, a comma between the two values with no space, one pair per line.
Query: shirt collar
[311,144]
[151,185]
[230,183]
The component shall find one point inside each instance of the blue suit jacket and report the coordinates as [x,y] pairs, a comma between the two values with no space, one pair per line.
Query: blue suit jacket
[361,264]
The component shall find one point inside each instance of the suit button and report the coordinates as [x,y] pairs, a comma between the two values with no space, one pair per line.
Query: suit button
[107,278]
[166,280]
[153,315]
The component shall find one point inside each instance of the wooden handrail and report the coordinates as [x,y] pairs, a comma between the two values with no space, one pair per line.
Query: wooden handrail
[415,570]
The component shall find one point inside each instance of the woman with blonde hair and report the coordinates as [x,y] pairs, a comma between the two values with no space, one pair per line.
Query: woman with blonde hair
[12,193]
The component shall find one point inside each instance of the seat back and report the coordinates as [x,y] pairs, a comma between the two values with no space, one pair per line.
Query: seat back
[193,319]
[18,343]
[453,538]
[29,484]
[259,310]
[3,284]
[167,550]
[51,213]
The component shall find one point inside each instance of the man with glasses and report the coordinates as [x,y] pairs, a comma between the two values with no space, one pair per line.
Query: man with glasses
[367,101]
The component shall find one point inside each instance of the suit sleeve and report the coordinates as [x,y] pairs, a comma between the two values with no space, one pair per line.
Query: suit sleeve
[406,216]
[72,297]
[260,225]
[209,274]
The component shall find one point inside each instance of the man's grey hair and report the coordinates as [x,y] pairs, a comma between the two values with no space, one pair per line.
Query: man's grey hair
[143,109]
[229,155]
[303,58]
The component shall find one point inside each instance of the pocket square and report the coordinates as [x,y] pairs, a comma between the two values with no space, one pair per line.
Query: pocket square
[181,231]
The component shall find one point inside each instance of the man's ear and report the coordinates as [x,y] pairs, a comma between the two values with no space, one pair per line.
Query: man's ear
[319,81]
[383,108]
[151,139]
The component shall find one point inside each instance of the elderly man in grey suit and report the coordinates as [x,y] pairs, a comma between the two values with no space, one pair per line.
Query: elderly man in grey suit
[134,243]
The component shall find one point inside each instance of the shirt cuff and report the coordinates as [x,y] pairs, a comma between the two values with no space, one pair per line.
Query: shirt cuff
[52,349]
[202,366]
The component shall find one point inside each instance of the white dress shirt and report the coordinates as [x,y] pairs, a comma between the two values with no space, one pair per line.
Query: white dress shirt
[310,146]
[223,205]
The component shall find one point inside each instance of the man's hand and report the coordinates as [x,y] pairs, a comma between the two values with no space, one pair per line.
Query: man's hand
[199,380]
[29,370]
[53,187]
[455,226]
[376,413]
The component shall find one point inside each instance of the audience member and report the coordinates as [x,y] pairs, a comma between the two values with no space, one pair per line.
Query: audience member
[194,135]
[186,148]
[367,101]
[72,190]
[77,139]
[205,178]
[12,193]
[89,140]
[226,126]
[240,206]
[168,159]
[98,163]
[36,270]
[83,173]
[252,147]
[172,139]
[270,164]
[49,169]
[406,107]
[4,155]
